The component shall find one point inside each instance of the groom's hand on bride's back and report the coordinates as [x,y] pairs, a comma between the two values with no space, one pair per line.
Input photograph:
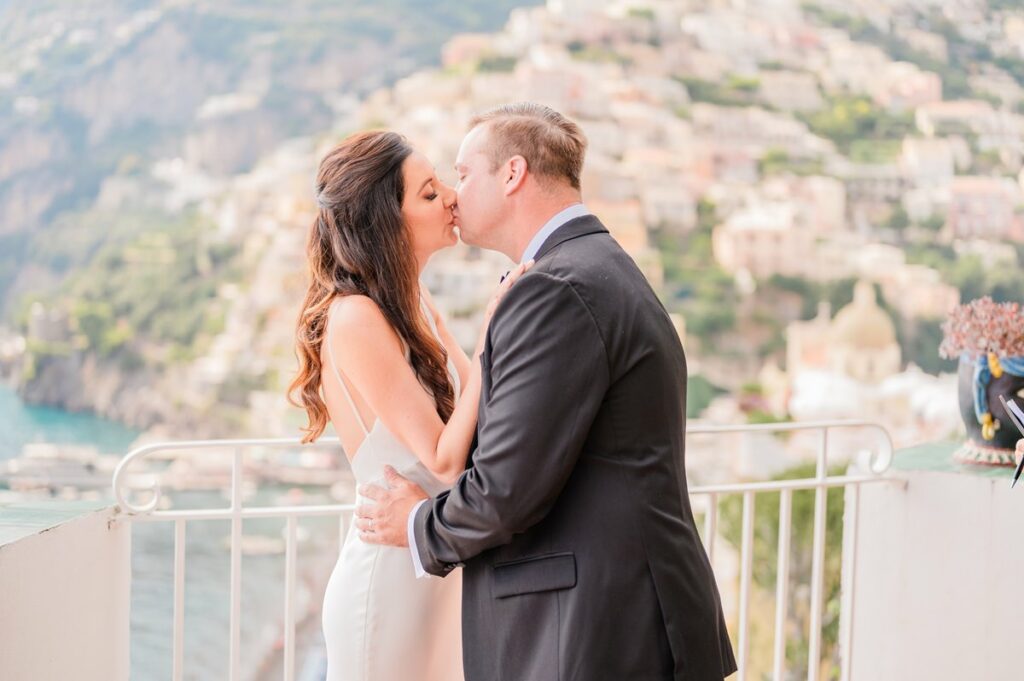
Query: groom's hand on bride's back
[385,521]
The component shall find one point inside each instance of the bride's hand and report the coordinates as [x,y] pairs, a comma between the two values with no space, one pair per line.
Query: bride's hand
[1020,450]
[503,288]
[499,293]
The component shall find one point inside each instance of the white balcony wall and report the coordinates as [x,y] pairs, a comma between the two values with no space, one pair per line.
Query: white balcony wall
[938,572]
[64,597]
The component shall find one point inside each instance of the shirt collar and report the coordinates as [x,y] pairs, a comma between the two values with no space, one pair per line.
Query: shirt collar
[571,213]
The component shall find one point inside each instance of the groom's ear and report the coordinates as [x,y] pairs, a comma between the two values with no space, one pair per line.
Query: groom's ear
[515,174]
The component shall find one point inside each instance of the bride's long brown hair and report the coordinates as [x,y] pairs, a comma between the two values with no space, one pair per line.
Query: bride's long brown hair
[359,244]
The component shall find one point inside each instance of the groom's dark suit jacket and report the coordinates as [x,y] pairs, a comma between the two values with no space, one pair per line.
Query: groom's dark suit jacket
[581,557]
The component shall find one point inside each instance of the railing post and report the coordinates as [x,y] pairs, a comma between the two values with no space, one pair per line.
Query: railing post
[234,641]
[818,562]
[289,598]
[782,583]
[746,560]
[177,665]
[851,511]
[711,526]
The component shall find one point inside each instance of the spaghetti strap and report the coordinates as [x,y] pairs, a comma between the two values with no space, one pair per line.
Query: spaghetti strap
[430,316]
[337,374]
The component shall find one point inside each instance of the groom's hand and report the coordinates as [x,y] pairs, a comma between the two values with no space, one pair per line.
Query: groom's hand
[386,521]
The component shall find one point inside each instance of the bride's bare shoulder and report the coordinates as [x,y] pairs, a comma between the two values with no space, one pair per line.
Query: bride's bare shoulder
[355,307]
[358,318]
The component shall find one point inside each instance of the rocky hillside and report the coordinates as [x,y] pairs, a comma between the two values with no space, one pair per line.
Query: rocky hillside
[94,90]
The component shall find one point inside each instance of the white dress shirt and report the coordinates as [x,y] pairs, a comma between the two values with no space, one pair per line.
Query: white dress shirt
[571,213]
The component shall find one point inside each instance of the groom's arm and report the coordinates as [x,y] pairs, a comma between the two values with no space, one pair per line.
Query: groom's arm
[549,375]
[411,529]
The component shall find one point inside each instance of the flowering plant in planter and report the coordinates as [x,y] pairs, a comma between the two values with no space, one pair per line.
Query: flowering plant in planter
[988,339]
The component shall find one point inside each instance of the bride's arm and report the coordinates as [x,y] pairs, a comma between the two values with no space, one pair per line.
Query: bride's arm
[370,354]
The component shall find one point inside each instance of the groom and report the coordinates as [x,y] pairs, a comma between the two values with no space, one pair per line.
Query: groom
[572,521]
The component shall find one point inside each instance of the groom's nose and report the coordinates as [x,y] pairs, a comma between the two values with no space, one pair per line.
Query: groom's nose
[449,197]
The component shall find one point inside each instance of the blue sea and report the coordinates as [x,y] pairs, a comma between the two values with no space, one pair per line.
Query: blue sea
[21,424]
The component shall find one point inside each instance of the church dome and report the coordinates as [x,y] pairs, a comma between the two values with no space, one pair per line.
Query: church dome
[863,324]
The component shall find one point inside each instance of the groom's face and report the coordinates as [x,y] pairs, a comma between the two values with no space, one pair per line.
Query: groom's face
[481,196]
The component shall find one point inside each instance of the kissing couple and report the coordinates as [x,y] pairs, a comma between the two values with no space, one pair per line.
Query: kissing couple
[522,513]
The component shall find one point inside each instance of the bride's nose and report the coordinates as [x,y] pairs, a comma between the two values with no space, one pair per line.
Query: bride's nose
[448,195]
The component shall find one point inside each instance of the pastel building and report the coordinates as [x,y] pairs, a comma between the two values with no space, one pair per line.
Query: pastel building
[984,207]
[859,343]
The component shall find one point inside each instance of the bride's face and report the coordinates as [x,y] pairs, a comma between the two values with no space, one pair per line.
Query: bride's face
[427,206]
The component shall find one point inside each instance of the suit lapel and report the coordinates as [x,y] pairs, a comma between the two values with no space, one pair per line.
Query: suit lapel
[577,227]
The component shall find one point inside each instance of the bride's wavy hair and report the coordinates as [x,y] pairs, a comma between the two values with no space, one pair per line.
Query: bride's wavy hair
[359,244]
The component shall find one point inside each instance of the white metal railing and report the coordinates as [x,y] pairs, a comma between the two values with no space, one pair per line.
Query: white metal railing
[820,483]
[236,513]
[878,463]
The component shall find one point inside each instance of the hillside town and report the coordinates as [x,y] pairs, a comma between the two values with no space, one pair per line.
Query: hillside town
[724,129]
[808,188]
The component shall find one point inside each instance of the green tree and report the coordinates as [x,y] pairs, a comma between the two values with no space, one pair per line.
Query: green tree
[898,219]
[735,91]
[776,161]
[160,286]
[934,223]
[919,342]
[695,285]
[699,393]
[853,118]
[496,63]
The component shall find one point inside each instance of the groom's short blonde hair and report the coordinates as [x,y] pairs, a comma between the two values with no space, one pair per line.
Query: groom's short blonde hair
[552,145]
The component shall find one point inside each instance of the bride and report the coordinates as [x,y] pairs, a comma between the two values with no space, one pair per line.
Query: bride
[377,360]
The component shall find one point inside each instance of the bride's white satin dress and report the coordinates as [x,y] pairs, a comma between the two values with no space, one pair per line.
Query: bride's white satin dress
[381,623]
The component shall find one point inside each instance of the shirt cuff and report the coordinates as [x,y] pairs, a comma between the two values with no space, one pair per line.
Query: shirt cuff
[410,530]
